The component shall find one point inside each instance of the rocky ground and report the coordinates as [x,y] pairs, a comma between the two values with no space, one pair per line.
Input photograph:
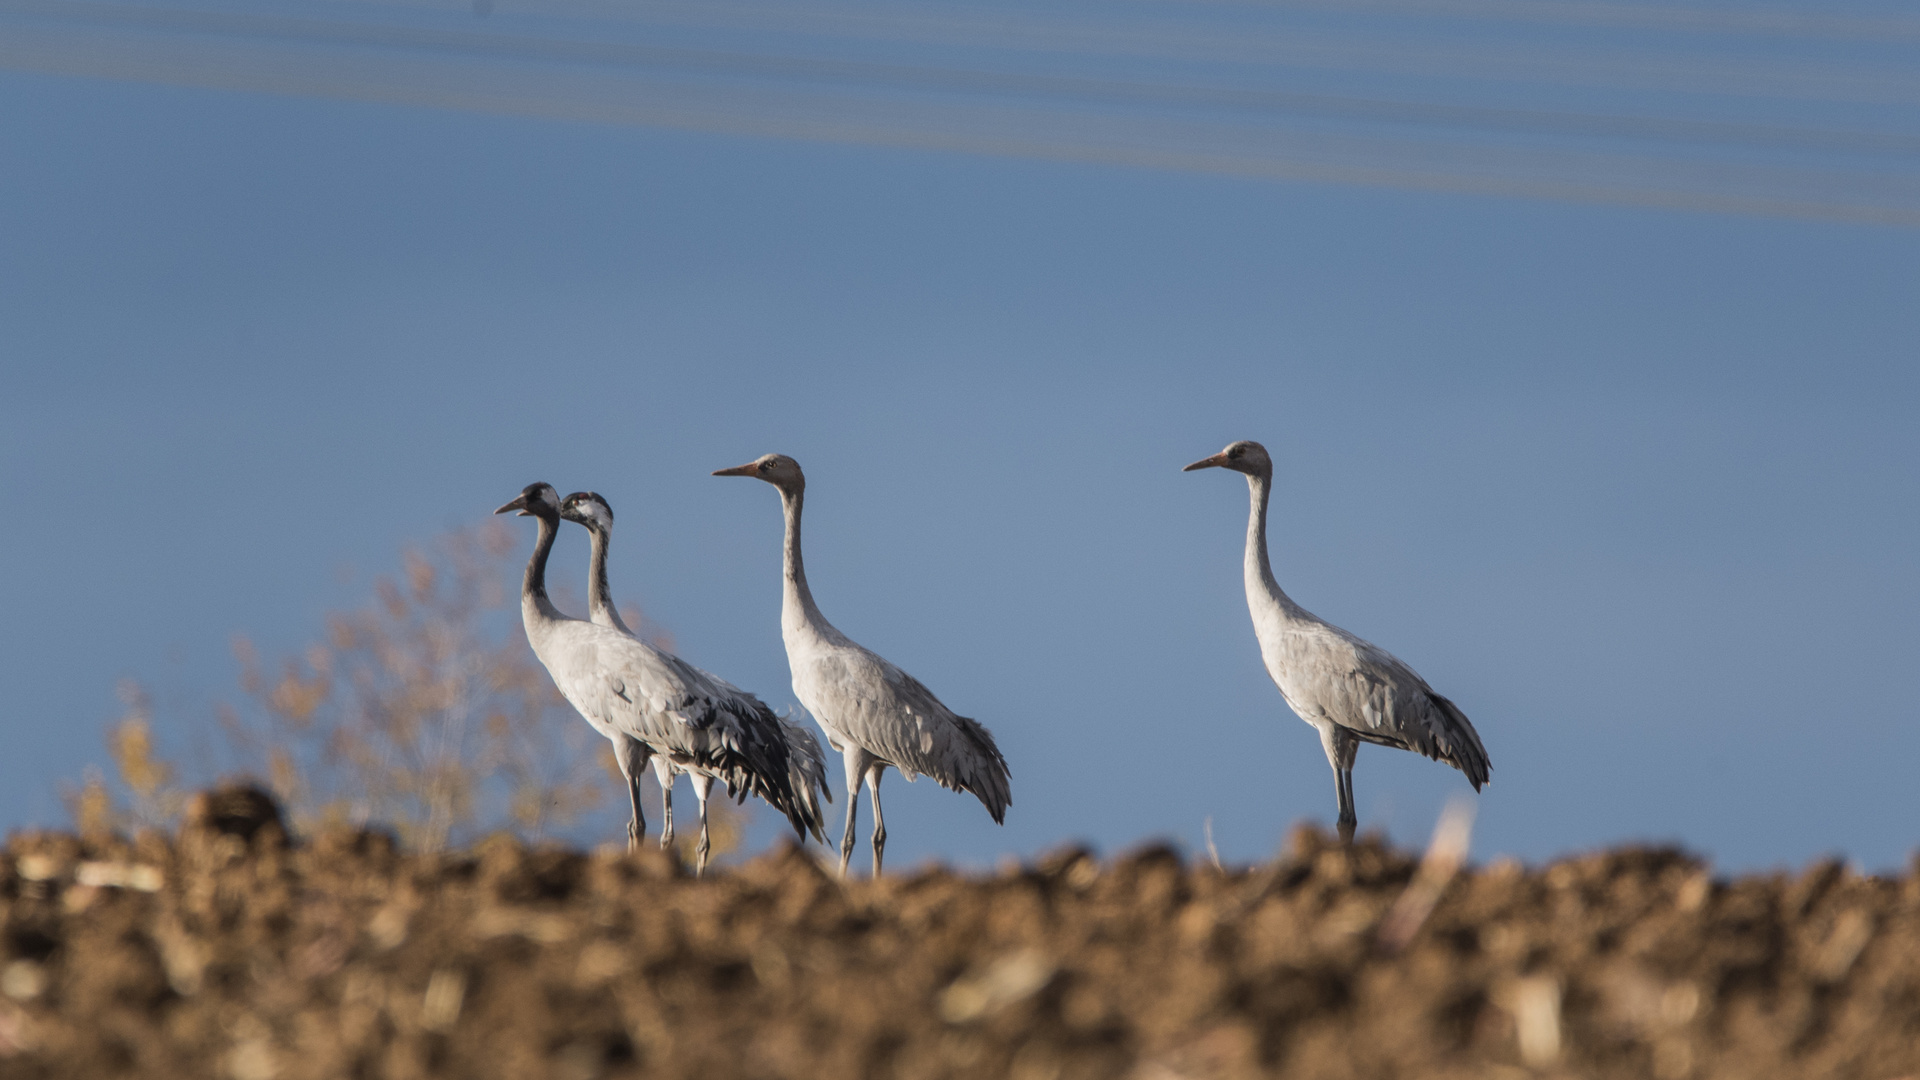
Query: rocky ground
[227,952]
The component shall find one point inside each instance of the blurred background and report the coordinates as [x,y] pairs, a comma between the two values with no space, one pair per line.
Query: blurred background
[1582,332]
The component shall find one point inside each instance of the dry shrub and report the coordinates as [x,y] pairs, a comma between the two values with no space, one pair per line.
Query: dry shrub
[423,710]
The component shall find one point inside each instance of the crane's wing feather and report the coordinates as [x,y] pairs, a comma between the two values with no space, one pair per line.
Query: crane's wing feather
[806,765]
[1372,693]
[621,683]
[894,717]
[807,772]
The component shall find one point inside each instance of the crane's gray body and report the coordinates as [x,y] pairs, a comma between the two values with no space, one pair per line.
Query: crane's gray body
[862,701]
[1346,686]
[627,688]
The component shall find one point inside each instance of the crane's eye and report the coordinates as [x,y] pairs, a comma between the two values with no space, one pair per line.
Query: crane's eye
[1235,452]
[766,466]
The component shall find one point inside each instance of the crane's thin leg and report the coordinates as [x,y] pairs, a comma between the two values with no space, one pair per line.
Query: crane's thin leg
[663,772]
[702,787]
[637,824]
[856,762]
[631,756]
[1341,747]
[879,823]
[1348,819]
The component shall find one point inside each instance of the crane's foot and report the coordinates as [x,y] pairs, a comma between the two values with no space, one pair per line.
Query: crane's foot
[1346,831]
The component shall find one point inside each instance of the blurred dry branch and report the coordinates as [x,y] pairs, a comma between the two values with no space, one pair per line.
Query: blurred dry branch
[423,711]
[1446,854]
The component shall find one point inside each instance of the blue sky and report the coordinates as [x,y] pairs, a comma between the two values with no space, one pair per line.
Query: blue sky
[1635,487]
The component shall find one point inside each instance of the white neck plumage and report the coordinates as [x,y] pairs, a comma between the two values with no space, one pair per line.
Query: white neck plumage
[1264,595]
[797,609]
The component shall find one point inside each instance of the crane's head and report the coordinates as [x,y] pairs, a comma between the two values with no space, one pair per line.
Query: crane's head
[589,509]
[1242,457]
[777,469]
[536,500]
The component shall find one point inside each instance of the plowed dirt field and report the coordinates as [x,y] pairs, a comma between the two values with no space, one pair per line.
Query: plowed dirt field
[227,952]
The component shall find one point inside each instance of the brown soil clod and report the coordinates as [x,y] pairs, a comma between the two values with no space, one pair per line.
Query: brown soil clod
[230,952]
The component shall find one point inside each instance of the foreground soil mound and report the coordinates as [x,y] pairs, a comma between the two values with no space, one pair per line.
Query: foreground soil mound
[227,952]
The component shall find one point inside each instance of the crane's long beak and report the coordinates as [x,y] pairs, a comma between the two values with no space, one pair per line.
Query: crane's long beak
[749,469]
[1214,462]
[519,504]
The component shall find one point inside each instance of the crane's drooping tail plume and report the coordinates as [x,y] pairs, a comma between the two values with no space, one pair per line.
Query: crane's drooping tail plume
[1463,749]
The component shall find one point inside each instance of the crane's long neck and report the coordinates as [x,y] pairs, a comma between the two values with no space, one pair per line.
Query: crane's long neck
[599,597]
[534,605]
[797,609]
[1264,596]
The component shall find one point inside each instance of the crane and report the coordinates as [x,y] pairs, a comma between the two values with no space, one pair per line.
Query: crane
[872,712]
[632,693]
[807,765]
[1350,690]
